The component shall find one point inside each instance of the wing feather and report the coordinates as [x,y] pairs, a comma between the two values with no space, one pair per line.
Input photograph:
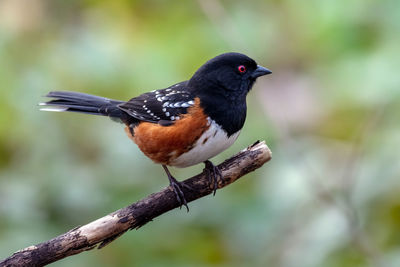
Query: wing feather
[160,106]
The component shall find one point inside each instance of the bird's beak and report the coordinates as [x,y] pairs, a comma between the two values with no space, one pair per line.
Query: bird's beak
[260,71]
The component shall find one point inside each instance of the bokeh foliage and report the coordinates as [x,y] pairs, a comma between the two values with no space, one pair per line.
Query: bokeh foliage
[330,112]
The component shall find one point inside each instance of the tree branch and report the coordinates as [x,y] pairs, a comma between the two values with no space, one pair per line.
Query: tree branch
[106,229]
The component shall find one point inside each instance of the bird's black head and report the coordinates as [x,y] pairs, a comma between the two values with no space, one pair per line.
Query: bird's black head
[222,84]
[229,74]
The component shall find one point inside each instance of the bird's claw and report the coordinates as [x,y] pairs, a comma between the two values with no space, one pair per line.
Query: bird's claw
[180,196]
[177,188]
[214,175]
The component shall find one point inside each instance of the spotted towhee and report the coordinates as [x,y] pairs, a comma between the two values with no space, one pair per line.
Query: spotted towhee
[184,124]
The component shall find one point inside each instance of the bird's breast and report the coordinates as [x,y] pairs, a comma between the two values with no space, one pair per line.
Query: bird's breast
[183,144]
[212,142]
[191,139]
[163,144]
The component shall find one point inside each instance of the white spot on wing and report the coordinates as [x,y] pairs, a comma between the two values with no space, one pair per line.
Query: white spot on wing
[185,105]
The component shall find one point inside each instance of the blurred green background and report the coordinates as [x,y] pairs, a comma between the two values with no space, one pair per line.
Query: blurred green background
[330,113]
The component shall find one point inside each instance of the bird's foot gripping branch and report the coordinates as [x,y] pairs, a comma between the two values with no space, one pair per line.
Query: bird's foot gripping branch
[106,229]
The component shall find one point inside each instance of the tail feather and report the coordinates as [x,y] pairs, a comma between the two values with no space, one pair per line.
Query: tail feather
[83,103]
[65,95]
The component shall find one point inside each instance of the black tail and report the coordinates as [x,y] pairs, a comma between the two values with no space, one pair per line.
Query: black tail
[83,103]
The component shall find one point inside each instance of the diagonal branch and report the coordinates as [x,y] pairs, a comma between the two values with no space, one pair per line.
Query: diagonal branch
[108,228]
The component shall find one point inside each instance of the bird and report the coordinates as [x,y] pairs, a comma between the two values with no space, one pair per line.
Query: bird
[184,124]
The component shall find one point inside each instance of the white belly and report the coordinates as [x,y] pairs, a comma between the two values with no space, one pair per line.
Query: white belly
[211,143]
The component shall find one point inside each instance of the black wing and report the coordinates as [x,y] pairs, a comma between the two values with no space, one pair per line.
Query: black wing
[160,106]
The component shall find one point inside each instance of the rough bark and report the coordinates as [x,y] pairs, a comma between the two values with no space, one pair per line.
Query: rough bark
[106,229]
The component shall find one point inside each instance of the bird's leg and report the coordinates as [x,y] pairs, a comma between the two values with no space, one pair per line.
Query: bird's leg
[176,187]
[214,174]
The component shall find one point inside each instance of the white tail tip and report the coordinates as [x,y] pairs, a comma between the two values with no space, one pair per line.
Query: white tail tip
[53,109]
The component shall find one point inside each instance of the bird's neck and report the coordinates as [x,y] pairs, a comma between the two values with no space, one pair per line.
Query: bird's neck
[230,114]
[225,106]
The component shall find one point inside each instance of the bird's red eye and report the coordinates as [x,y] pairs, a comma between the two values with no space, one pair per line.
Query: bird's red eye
[242,69]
